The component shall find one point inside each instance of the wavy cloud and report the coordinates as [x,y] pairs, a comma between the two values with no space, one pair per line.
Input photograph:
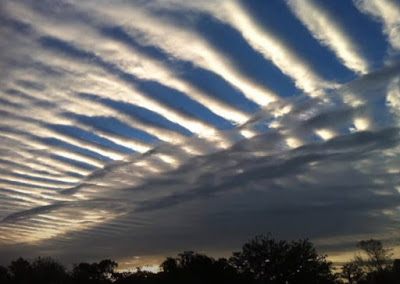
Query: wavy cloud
[387,12]
[325,28]
[130,125]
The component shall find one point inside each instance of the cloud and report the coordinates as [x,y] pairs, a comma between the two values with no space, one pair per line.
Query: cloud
[91,154]
[121,83]
[273,48]
[393,97]
[349,176]
[387,12]
[261,38]
[149,30]
[329,32]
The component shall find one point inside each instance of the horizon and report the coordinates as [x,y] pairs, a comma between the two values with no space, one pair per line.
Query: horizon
[131,266]
[135,130]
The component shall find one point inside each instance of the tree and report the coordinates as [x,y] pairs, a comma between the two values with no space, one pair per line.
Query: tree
[96,273]
[226,273]
[377,259]
[137,277]
[352,272]
[21,271]
[106,268]
[47,270]
[5,276]
[396,266]
[170,265]
[372,266]
[188,267]
[271,261]
[191,268]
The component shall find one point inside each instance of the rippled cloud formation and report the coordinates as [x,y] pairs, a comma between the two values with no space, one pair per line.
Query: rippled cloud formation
[136,129]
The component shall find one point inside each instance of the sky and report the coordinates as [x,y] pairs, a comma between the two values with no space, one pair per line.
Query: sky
[135,130]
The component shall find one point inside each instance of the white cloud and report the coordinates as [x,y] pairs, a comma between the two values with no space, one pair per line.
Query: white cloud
[324,27]
[129,59]
[157,31]
[386,11]
[393,99]
[273,48]
[262,39]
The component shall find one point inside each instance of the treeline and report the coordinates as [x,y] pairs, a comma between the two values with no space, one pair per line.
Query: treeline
[261,260]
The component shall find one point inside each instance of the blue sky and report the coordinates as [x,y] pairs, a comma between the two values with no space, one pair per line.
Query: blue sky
[145,128]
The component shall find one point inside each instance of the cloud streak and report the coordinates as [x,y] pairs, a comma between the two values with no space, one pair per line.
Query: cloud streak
[324,27]
[387,12]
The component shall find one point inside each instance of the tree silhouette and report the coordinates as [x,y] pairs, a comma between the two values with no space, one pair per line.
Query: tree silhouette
[396,266]
[5,276]
[271,261]
[188,267]
[191,267]
[95,273]
[378,257]
[352,272]
[261,260]
[373,267]
[137,277]
[21,271]
[48,271]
